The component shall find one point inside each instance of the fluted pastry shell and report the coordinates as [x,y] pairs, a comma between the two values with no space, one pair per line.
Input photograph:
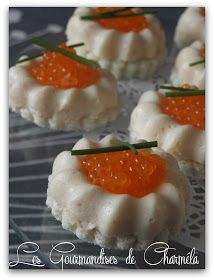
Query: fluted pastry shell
[184,142]
[116,220]
[183,73]
[190,27]
[73,108]
[125,54]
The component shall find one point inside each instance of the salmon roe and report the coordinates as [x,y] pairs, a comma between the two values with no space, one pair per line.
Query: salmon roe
[62,72]
[123,24]
[202,11]
[202,52]
[186,110]
[125,172]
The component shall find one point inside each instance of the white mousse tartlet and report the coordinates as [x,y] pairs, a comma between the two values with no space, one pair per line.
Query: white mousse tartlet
[178,124]
[190,66]
[118,199]
[190,27]
[61,93]
[132,46]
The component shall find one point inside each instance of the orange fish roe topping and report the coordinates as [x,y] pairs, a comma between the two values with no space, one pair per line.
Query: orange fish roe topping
[202,52]
[125,172]
[186,110]
[62,72]
[126,24]
[202,11]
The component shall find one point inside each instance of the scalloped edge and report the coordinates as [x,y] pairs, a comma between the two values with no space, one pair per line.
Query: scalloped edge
[47,106]
[82,207]
[182,73]
[184,36]
[171,136]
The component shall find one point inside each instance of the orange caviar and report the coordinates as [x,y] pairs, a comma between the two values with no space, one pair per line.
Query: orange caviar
[125,172]
[186,110]
[202,11]
[202,52]
[123,24]
[62,72]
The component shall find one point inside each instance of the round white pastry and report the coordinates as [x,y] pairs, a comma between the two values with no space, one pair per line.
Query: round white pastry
[190,27]
[185,142]
[125,54]
[116,220]
[72,108]
[183,73]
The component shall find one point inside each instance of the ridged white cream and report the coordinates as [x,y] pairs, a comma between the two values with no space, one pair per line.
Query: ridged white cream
[190,27]
[68,109]
[126,54]
[183,73]
[185,142]
[116,220]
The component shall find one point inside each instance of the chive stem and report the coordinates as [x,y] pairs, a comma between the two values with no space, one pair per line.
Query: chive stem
[125,144]
[107,16]
[41,54]
[116,11]
[197,62]
[177,88]
[185,93]
[76,45]
[145,145]
[28,58]
[46,45]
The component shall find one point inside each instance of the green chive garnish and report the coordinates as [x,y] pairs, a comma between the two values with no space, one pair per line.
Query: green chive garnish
[197,62]
[185,93]
[145,145]
[125,144]
[176,88]
[107,16]
[180,91]
[41,54]
[28,58]
[116,11]
[46,45]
